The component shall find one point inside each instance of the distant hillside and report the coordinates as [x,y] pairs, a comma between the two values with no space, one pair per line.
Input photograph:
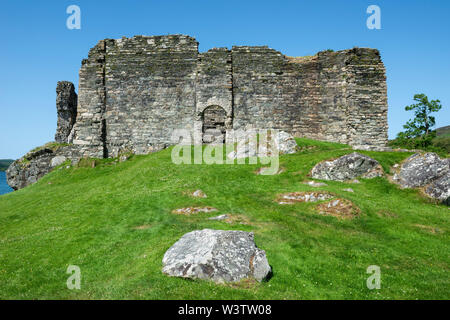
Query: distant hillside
[443,131]
[4,164]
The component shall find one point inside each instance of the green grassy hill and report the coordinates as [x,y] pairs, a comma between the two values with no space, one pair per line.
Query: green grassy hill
[4,164]
[114,221]
[442,140]
[443,132]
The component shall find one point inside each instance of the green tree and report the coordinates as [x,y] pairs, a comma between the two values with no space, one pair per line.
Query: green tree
[420,127]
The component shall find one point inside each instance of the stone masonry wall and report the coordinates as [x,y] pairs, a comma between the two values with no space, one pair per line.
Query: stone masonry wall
[258,89]
[89,128]
[214,91]
[150,89]
[366,98]
[333,96]
[133,92]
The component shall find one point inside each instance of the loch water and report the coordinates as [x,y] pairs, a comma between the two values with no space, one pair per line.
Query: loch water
[4,187]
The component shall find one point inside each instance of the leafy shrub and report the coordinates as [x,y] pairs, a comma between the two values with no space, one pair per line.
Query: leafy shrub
[440,145]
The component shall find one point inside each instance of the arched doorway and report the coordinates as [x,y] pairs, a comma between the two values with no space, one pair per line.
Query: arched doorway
[213,128]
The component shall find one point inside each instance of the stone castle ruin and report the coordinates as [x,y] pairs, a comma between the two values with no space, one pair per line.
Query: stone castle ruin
[133,92]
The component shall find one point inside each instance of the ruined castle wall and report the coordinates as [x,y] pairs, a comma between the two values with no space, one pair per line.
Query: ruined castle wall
[88,129]
[304,96]
[332,110]
[353,97]
[213,88]
[150,90]
[257,89]
[134,92]
[301,95]
[333,96]
[366,98]
[214,80]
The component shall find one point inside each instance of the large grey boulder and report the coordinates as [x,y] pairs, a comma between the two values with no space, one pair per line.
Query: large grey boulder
[347,167]
[439,189]
[246,147]
[56,161]
[217,255]
[425,170]
[420,169]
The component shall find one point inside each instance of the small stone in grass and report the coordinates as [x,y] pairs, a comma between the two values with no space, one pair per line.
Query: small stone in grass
[315,184]
[221,217]
[199,194]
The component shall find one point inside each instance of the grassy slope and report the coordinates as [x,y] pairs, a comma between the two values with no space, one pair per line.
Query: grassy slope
[87,217]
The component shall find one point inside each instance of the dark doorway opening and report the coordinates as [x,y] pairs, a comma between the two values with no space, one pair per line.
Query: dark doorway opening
[214,118]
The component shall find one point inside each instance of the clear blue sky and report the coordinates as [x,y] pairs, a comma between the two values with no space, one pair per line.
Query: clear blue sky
[37,49]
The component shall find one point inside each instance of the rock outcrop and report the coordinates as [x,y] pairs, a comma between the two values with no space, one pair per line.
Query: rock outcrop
[347,167]
[40,161]
[66,106]
[426,171]
[37,163]
[217,255]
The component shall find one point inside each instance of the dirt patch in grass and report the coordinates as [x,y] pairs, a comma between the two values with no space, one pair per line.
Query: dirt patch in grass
[307,148]
[193,210]
[248,283]
[142,227]
[232,219]
[429,229]
[238,219]
[295,197]
[339,208]
[385,213]
[87,163]
[266,170]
